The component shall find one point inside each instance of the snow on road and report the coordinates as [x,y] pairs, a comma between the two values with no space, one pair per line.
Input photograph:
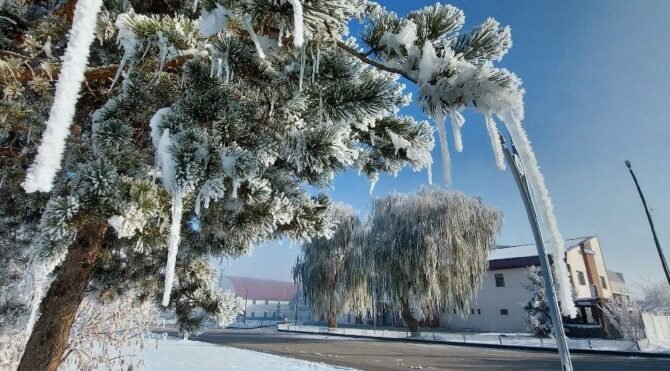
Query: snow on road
[176,354]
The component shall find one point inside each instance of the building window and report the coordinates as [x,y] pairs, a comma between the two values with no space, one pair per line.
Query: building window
[265,314]
[253,302]
[500,280]
[580,278]
[267,302]
[472,311]
[504,312]
[253,314]
[603,281]
[274,314]
[479,311]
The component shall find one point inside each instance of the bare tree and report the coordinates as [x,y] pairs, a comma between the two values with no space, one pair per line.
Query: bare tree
[103,335]
[656,298]
[625,316]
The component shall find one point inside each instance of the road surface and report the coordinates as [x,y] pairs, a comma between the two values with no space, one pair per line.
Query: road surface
[367,354]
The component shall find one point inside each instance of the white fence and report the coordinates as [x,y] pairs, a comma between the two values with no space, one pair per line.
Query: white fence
[657,328]
[528,341]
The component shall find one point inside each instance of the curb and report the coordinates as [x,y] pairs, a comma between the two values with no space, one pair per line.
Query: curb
[495,346]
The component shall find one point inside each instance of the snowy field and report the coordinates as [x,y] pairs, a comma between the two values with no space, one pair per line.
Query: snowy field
[178,355]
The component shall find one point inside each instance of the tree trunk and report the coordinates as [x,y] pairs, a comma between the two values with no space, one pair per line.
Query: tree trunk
[49,338]
[332,321]
[410,321]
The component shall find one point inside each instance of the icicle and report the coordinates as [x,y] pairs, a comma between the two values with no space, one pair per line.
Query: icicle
[457,121]
[272,107]
[254,37]
[318,59]
[163,51]
[226,66]
[321,108]
[298,32]
[495,141]
[281,36]
[122,64]
[219,69]
[41,174]
[373,183]
[173,247]
[311,54]
[211,70]
[429,172]
[444,146]
[302,66]
[546,208]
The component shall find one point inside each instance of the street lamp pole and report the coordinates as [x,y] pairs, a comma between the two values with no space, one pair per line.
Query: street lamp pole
[651,223]
[246,298]
[516,166]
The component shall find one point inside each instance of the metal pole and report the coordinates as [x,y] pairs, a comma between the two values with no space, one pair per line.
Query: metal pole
[295,307]
[246,297]
[651,223]
[556,320]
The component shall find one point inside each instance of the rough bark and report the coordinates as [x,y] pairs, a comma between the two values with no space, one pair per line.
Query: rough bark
[49,338]
[332,321]
[410,321]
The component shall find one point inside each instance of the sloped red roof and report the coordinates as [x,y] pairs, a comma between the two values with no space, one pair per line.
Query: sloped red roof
[263,289]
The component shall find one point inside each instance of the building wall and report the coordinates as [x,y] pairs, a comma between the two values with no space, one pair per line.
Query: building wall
[601,269]
[489,302]
[617,284]
[259,308]
[268,309]
[576,265]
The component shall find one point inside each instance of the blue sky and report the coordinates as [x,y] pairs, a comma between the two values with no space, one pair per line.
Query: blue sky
[597,78]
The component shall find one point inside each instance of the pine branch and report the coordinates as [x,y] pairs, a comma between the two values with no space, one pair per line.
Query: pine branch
[98,73]
[364,58]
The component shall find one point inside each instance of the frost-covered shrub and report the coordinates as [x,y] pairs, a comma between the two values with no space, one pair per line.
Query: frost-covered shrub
[538,318]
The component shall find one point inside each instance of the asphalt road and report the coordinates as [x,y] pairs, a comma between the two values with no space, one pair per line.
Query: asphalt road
[368,354]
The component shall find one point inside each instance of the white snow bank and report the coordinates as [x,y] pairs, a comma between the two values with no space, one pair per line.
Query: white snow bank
[176,354]
[252,324]
[512,339]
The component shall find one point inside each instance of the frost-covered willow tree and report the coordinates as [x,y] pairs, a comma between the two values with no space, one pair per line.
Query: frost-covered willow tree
[538,318]
[331,270]
[198,133]
[428,250]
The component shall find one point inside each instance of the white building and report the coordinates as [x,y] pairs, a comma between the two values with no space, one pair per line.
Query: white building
[266,300]
[498,306]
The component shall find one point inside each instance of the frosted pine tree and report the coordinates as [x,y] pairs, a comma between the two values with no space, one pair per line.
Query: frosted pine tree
[331,270]
[200,125]
[538,317]
[429,250]
[203,146]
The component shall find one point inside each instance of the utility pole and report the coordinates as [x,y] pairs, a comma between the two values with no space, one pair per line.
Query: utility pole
[651,223]
[516,166]
[246,299]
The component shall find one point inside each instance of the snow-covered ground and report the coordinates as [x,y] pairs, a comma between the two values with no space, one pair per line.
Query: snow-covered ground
[176,354]
[658,346]
[513,339]
[252,324]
